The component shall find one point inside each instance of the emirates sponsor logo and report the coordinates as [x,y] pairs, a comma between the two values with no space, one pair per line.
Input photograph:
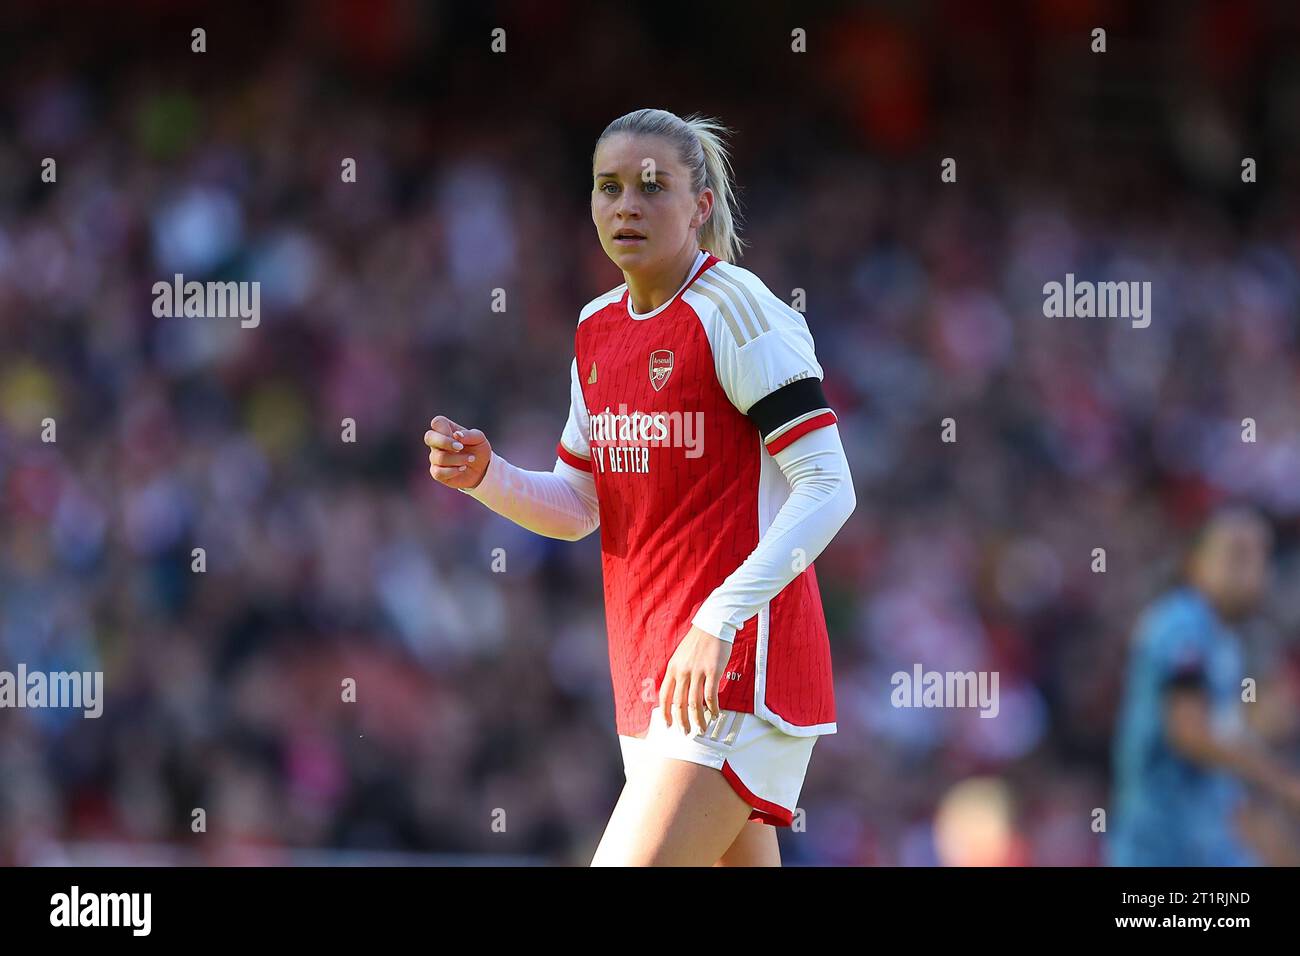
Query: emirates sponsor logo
[621,441]
[610,426]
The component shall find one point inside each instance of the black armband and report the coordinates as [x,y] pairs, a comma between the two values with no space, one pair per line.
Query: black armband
[786,404]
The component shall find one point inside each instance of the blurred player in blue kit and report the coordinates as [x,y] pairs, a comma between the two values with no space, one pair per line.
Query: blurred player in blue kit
[1183,757]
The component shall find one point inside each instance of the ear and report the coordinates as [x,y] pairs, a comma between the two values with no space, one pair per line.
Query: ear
[703,208]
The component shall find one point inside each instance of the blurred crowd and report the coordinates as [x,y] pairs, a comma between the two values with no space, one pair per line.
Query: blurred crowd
[483,721]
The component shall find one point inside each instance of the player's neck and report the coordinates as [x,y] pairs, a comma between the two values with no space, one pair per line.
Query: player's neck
[1221,609]
[647,293]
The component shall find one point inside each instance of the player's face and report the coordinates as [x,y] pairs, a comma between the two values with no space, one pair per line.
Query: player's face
[1239,565]
[640,186]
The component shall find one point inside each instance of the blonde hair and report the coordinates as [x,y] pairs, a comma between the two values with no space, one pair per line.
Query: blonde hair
[700,147]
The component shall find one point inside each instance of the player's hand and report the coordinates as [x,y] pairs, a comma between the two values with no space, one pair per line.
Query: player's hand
[690,683]
[458,456]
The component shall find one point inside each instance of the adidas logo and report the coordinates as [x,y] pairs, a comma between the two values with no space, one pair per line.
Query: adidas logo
[591,379]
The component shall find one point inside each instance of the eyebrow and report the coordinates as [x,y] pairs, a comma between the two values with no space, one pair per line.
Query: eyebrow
[658,174]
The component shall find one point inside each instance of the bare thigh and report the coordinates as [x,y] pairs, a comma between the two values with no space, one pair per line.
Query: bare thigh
[672,813]
[755,846]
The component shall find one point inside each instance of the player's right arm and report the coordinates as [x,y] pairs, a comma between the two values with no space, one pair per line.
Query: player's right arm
[560,503]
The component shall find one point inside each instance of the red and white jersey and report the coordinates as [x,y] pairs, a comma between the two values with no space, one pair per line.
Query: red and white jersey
[676,414]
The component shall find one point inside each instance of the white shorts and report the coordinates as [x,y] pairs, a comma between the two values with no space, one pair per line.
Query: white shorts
[766,766]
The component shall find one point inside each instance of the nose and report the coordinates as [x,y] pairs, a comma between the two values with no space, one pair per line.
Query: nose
[628,206]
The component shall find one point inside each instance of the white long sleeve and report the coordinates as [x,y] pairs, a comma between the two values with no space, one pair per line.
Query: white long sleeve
[559,504]
[821,500]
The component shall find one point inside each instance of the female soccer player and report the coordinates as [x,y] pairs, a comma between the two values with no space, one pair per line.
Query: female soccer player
[700,443]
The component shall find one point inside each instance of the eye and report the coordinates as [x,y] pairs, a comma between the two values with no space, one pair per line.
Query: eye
[650,183]
[608,182]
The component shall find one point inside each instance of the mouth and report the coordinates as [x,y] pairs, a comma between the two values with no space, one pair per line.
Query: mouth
[628,237]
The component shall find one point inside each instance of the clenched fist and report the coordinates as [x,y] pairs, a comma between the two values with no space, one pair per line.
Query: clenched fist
[458,456]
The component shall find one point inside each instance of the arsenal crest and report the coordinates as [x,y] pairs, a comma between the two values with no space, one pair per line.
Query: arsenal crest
[661,366]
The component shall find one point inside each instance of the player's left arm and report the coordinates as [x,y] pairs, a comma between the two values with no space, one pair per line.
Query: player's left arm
[765,362]
[821,500]
[1179,661]
[775,379]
